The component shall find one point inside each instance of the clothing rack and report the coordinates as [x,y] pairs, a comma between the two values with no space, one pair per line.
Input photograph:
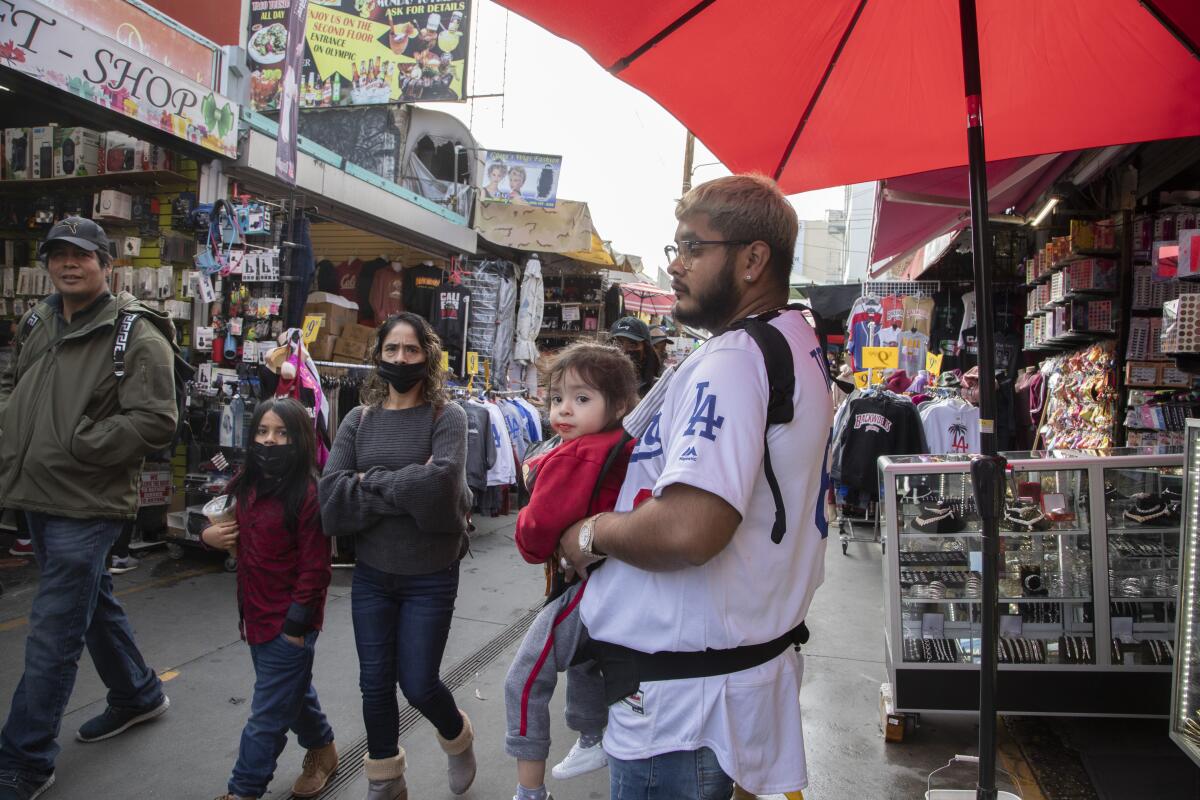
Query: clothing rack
[904,288]
[340,365]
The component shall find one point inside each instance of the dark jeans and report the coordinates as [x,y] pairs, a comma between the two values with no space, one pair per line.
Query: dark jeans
[401,623]
[74,605]
[284,700]
[682,775]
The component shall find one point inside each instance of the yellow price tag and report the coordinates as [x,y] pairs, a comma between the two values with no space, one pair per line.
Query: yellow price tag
[862,380]
[312,326]
[472,362]
[445,361]
[880,357]
[933,364]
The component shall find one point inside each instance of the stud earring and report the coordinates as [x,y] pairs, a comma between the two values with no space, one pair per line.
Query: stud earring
[747,277]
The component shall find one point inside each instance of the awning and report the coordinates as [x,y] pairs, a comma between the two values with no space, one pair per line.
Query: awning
[566,228]
[646,298]
[914,210]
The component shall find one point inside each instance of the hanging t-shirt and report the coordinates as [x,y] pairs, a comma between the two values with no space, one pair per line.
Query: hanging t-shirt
[533,418]
[968,317]
[913,347]
[866,318]
[889,337]
[1008,354]
[918,313]
[503,471]
[951,426]
[893,311]
[387,293]
[347,279]
[968,348]
[451,318]
[327,277]
[420,285]
[709,434]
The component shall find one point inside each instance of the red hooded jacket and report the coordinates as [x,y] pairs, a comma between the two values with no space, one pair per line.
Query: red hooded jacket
[282,575]
[562,482]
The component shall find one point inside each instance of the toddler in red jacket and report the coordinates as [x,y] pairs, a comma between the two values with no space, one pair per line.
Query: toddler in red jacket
[283,575]
[592,387]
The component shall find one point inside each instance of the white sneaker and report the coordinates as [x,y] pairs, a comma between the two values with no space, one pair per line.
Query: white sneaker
[120,565]
[580,761]
[548,796]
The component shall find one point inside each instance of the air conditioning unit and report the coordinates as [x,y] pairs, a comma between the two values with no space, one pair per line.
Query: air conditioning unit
[835,221]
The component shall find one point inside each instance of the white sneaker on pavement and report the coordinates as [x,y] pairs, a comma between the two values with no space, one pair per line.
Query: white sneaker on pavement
[120,565]
[580,761]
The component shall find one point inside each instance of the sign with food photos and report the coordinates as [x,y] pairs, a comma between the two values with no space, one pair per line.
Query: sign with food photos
[361,52]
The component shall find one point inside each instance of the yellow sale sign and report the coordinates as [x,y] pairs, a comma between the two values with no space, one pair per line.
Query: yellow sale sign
[472,362]
[880,357]
[312,326]
[933,364]
[863,380]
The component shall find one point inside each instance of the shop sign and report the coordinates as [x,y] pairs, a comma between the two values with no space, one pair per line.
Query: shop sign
[44,44]
[521,178]
[135,27]
[880,357]
[361,52]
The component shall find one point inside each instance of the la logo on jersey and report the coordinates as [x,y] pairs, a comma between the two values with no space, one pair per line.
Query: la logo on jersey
[704,419]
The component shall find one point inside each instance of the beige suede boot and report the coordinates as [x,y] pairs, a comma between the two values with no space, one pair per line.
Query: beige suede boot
[319,765]
[385,778]
[461,755]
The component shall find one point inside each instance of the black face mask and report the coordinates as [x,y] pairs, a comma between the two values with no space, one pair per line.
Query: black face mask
[273,461]
[402,377]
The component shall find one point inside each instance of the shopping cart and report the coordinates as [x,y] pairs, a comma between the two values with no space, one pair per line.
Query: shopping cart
[848,515]
[967,794]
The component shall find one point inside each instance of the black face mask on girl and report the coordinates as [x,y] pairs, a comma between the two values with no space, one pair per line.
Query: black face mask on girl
[402,377]
[273,461]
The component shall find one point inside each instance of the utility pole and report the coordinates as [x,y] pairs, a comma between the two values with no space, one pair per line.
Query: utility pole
[689,149]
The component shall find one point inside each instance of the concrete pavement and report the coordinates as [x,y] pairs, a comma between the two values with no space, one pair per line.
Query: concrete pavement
[185,616]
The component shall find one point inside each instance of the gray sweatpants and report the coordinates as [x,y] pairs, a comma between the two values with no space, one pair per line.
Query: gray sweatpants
[547,649]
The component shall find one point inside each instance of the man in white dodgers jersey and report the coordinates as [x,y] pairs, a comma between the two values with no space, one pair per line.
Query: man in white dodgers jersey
[692,563]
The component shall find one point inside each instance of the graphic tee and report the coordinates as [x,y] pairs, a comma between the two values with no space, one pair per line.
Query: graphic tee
[387,294]
[866,319]
[420,285]
[709,434]
[347,279]
[918,313]
[450,320]
[889,337]
[951,426]
[893,311]
[913,347]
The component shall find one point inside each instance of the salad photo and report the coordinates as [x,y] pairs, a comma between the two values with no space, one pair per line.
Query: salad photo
[269,45]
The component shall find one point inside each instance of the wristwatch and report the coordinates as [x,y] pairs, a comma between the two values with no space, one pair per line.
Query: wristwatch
[587,537]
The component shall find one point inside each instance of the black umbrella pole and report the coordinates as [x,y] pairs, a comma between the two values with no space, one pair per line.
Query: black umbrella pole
[982,263]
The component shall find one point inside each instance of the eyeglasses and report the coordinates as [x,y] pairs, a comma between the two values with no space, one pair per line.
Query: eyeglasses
[687,249]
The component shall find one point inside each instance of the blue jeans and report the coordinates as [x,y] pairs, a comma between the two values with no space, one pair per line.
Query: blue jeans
[74,605]
[401,624]
[683,775]
[284,699]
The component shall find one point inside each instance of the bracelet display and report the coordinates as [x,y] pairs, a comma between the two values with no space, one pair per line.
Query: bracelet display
[933,651]
[1075,650]
[1012,650]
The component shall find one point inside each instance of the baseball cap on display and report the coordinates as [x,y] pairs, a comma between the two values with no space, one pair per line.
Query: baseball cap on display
[78,231]
[631,328]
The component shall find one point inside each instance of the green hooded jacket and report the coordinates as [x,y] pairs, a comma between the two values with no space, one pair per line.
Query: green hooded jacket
[73,437]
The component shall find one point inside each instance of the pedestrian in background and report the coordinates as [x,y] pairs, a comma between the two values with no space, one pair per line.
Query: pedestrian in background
[397,481]
[283,576]
[721,570]
[77,489]
[633,336]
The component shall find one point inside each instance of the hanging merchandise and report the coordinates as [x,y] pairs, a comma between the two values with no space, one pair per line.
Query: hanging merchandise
[302,266]
[871,424]
[299,379]
[420,287]
[1081,400]
[914,345]
[529,313]
[951,425]
[451,319]
[387,292]
[918,314]
[862,327]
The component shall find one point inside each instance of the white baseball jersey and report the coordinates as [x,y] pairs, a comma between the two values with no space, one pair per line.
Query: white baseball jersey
[709,434]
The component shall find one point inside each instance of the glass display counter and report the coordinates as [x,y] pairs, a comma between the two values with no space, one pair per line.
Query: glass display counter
[1085,578]
[1185,705]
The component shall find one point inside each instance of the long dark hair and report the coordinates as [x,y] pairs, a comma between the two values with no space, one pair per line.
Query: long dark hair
[291,489]
[375,390]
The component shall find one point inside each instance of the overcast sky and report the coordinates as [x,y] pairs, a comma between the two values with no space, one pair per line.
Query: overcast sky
[622,152]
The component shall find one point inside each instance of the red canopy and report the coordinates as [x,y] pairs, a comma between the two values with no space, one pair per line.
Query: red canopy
[826,92]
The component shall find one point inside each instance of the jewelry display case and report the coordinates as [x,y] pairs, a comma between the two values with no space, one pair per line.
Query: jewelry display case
[1088,553]
[1185,696]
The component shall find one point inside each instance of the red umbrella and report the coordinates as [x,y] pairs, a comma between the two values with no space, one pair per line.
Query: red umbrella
[646,298]
[825,92]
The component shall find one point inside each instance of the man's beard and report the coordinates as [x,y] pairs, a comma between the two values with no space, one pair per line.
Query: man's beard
[715,304]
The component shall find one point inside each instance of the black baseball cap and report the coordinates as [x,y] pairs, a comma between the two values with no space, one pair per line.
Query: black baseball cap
[658,334]
[631,328]
[79,231]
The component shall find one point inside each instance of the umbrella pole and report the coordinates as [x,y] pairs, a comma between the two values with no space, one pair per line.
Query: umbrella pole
[986,494]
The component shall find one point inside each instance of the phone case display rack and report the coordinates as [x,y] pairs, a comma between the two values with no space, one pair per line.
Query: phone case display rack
[1185,695]
[1088,582]
[574,307]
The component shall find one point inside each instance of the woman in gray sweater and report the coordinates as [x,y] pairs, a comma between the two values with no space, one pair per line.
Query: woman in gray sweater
[396,480]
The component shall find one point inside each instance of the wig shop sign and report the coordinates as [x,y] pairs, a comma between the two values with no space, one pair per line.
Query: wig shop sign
[44,44]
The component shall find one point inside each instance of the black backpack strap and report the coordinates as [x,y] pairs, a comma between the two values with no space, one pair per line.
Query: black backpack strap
[125,320]
[781,387]
[613,455]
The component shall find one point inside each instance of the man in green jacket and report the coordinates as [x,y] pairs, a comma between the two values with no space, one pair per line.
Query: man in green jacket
[72,439]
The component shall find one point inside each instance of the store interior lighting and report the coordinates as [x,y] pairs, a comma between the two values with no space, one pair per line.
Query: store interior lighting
[1045,212]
